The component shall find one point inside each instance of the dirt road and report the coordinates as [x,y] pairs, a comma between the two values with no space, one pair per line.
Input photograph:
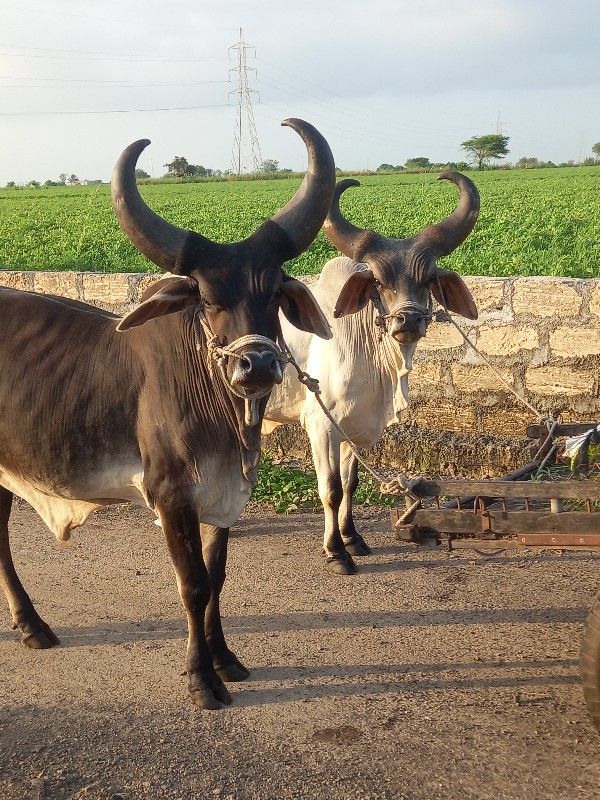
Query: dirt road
[426,676]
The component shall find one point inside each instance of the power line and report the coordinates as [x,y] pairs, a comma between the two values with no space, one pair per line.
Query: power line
[109,111]
[78,54]
[96,83]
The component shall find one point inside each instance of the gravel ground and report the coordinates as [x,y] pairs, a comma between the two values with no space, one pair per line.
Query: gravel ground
[426,676]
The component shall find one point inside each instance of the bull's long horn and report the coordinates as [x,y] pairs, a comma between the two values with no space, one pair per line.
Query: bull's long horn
[445,236]
[303,215]
[157,239]
[342,234]
[170,247]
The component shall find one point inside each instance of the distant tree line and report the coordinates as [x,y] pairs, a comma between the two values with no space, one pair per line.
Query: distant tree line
[480,150]
[181,168]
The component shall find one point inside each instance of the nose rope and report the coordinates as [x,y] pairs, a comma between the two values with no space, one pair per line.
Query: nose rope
[219,352]
[408,306]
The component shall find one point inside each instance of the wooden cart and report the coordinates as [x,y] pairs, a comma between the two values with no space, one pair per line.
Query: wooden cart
[512,512]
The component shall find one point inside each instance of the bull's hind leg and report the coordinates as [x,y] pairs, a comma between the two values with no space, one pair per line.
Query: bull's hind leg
[214,552]
[34,631]
[353,541]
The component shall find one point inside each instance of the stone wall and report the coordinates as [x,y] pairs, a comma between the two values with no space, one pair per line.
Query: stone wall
[118,292]
[541,334]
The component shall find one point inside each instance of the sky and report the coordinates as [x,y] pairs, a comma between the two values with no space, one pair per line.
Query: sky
[382,80]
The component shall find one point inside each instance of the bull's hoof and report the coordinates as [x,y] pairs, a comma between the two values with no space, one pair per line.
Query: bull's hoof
[357,546]
[340,565]
[40,640]
[233,671]
[210,699]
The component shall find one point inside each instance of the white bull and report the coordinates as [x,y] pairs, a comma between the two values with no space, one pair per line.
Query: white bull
[378,302]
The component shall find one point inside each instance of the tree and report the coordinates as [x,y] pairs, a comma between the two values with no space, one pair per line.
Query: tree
[200,171]
[140,173]
[596,149]
[527,163]
[179,167]
[418,163]
[484,148]
[269,165]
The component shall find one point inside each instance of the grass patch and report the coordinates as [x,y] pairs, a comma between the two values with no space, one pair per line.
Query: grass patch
[288,488]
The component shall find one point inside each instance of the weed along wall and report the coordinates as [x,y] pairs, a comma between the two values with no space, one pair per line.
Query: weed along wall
[541,334]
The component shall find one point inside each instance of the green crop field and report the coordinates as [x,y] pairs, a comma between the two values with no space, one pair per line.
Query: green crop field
[532,222]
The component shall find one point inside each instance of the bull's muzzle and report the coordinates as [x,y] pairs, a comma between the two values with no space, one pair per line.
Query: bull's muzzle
[255,370]
[408,326]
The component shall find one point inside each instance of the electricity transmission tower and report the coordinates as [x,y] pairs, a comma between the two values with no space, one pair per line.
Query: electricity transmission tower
[245,156]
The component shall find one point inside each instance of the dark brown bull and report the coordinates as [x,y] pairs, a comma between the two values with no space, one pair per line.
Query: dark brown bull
[163,407]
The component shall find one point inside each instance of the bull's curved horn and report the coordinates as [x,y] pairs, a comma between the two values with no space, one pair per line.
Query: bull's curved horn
[169,247]
[302,216]
[445,236]
[343,234]
[157,239]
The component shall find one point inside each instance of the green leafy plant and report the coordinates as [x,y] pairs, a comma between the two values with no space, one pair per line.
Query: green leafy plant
[532,221]
[561,471]
[368,493]
[288,488]
[284,487]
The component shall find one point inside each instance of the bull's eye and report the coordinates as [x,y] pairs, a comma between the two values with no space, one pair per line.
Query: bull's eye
[214,308]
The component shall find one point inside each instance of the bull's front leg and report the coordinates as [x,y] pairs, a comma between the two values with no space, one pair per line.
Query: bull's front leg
[353,541]
[325,446]
[214,551]
[182,532]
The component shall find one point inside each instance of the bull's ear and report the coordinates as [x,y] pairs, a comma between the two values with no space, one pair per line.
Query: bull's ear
[456,295]
[355,294]
[167,296]
[301,308]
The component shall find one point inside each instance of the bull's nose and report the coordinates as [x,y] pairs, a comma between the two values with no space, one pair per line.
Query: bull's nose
[408,327]
[257,369]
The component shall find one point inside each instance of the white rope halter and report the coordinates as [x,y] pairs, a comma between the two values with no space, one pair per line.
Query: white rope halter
[407,306]
[219,353]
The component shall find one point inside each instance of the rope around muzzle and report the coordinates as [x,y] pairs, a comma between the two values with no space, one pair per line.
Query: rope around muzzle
[407,306]
[219,353]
